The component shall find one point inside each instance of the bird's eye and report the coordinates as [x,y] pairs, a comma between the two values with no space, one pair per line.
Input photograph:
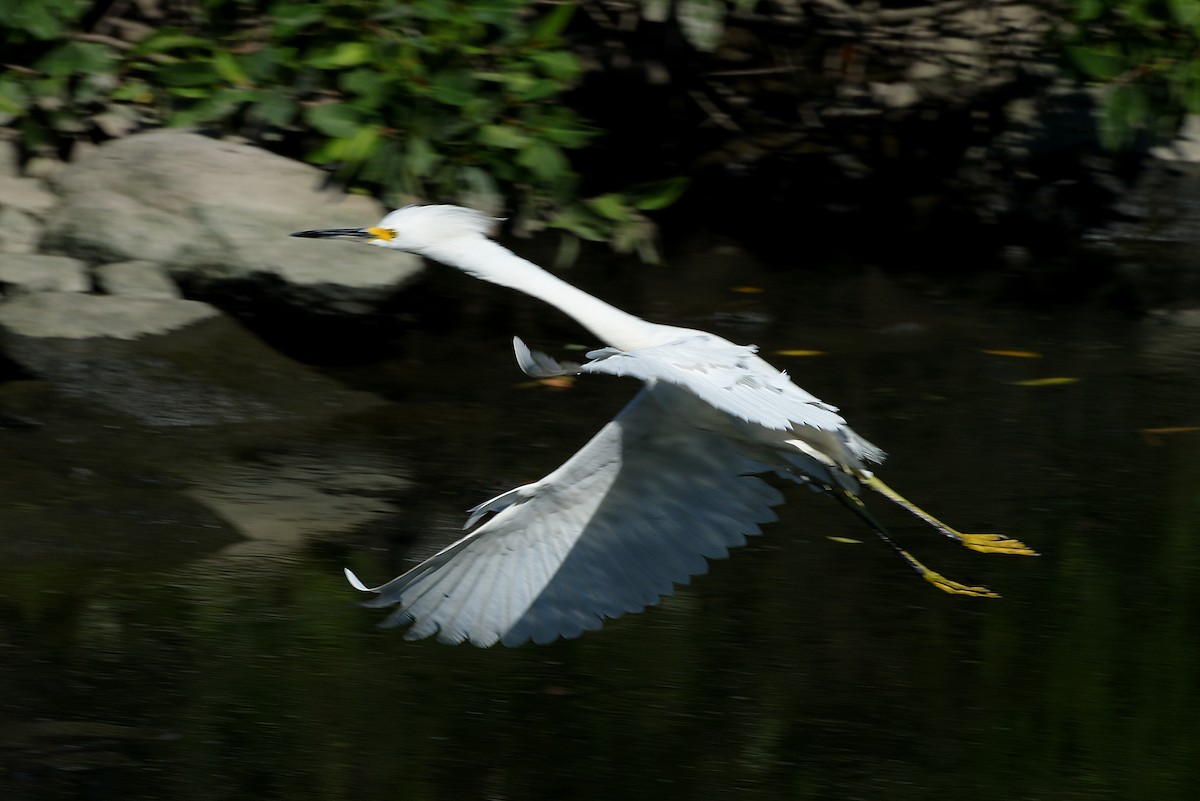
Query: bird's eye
[386,234]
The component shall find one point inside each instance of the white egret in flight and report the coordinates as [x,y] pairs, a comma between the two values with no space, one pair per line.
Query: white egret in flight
[671,481]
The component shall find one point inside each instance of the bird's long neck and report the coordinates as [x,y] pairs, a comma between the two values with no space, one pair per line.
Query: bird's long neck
[485,259]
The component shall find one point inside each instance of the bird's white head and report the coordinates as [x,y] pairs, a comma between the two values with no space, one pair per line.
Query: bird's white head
[416,229]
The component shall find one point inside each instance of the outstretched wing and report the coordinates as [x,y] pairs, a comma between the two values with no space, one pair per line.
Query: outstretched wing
[728,377]
[636,511]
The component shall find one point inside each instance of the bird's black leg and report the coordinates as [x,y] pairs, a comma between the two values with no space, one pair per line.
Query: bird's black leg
[855,504]
[984,543]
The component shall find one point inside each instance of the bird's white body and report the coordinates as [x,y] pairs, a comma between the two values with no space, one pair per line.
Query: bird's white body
[672,481]
[757,392]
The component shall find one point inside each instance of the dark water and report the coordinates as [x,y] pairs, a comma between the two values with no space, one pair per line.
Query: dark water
[149,650]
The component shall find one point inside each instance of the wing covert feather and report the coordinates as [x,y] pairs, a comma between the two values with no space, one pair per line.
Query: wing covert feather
[729,377]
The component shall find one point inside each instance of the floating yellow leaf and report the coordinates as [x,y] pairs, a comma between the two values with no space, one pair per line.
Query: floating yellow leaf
[1052,381]
[847,540]
[1015,354]
[799,352]
[747,290]
[1152,434]
[553,382]
[1169,430]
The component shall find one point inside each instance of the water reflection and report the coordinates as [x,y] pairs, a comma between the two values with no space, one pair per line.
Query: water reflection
[148,653]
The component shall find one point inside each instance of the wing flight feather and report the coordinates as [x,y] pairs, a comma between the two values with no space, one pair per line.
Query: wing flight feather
[636,511]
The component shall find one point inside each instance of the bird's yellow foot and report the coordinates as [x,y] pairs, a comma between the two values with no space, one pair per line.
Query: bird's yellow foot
[995,543]
[984,543]
[941,582]
[954,588]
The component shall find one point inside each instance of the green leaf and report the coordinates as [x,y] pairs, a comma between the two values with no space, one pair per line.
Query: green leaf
[360,145]
[503,136]
[517,81]
[658,194]
[261,66]
[1126,110]
[291,18]
[190,92]
[550,27]
[133,91]
[227,67]
[352,150]
[567,133]
[366,83]
[1191,90]
[334,120]
[13,98]
[431,10]
[74,58]
[275,108]
[455,88]
[1087,10]
[544,160]
[580,222]
[217,106]
[1101,63]
[420,158]
[40,20]
[560,64]
[612,206]
[1186,13]
[187,74]
[346,54]
[167,40]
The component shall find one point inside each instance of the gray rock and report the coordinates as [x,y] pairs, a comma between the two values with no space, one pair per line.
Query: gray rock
[65,315]
[290,498]
[104,225]
[19,231]
[926,71]
[208,373]
[894,95]
[10,165]
[344,278]
[219,212]
[136,279]
[1186,146]
[43,167]
[32,272]
[27,194]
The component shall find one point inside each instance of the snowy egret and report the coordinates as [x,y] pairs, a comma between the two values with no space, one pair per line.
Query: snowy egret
[671,481]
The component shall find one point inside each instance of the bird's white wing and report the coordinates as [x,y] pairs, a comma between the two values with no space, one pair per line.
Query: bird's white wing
[729,377]
[636,511]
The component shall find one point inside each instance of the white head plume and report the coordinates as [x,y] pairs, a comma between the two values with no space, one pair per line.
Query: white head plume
[421,228]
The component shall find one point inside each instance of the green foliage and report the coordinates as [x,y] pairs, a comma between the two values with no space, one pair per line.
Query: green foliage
[1148,53]
[414,99]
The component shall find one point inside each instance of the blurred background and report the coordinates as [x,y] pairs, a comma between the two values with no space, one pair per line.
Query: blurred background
[971,226]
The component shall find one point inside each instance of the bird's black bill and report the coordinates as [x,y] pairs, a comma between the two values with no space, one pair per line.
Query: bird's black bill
[333,233]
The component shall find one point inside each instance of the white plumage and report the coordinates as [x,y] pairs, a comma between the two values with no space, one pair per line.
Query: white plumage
[671,482]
